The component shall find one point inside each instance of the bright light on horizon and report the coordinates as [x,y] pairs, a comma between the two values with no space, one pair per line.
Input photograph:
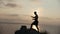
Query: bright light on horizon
[39,11]
[34,27]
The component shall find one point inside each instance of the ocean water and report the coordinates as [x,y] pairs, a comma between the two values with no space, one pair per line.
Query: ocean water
[11,28]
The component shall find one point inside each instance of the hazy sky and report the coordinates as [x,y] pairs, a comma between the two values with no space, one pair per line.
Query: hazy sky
[21,10]
[46,8]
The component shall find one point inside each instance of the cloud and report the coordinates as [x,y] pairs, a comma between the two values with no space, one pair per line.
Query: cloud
[36,0]
[11,5]
[13,15]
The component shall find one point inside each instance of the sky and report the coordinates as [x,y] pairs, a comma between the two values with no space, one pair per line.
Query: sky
[45,8]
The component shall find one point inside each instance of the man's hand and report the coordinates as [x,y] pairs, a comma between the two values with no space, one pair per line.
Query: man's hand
[31,16]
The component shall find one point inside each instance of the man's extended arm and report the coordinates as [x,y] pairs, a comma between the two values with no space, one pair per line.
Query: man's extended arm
[32,17]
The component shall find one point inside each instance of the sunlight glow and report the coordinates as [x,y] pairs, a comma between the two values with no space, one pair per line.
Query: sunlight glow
[38,10]
[34,27]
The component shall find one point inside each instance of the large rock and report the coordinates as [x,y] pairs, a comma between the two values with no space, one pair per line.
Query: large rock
[24,30]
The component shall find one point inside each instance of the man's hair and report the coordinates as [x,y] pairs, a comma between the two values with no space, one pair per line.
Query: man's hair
[35,12]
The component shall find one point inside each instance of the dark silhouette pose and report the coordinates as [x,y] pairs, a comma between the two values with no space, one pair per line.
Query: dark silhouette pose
[25,30]
[35,18]
[22,30]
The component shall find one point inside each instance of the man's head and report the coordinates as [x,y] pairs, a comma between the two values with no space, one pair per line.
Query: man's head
[35,12]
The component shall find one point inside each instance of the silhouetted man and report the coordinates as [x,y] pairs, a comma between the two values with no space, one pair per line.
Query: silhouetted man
[35,18]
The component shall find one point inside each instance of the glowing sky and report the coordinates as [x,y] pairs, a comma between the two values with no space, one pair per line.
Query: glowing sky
[46,8]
